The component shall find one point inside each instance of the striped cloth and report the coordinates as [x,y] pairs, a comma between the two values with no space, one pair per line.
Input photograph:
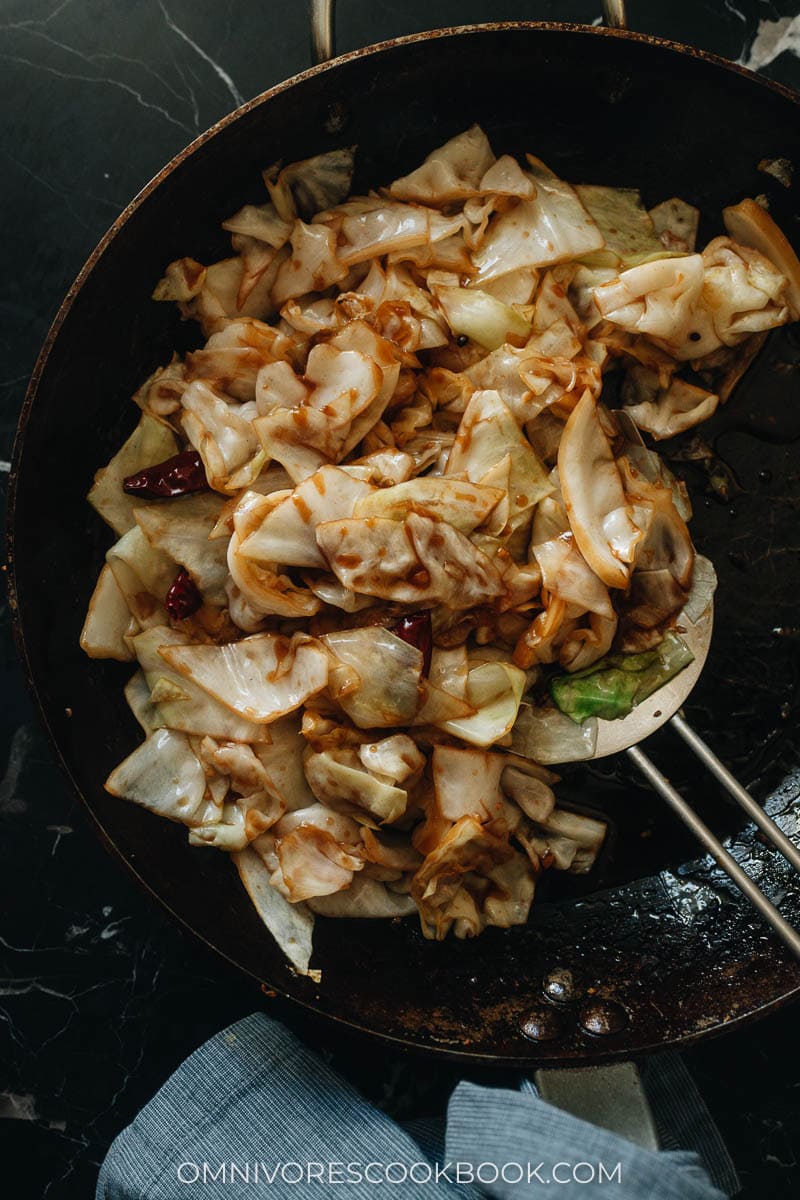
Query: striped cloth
[253,1112]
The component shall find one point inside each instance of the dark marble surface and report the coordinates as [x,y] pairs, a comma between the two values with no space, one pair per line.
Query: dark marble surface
[100,996]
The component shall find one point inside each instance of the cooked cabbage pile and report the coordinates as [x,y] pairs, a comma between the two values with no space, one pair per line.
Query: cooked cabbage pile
[383,552]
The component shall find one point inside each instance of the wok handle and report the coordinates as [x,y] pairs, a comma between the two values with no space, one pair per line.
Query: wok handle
[323,45]
[611,1097]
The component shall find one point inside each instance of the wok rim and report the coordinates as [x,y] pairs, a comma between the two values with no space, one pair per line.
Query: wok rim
[312,1005]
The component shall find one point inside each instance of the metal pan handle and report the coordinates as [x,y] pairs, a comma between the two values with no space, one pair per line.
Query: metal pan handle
[323,45]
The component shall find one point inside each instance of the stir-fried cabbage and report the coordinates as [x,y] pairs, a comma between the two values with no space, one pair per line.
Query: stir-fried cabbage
[386,543]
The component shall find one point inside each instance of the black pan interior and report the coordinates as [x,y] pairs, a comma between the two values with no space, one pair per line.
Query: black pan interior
[655,947]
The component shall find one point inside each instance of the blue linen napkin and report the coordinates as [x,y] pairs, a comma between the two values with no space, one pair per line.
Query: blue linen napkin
[254,1112]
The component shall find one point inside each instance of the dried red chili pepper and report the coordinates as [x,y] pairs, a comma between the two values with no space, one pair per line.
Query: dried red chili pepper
[416,629]
[183,598]
[176,476]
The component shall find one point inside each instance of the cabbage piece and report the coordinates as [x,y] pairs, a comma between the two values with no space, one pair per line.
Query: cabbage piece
[365,898]
[420,560]
[567,841]
[565,572]
[671,410]
[691,305]
[481,316]
[282,759]
[532,795]
[467,847]
[548,736]
[261,677]
[382,467]
[222,296]
[701,593]
[451,172]
[264,591]
[287,533]
[462,505]
[494,690]
[222,433]
[312,265]
[181,529]
[487,434]
[653,468]
[292,925]
[260,221]
[675,223]
[551,228]
[348,787]
[179,703]
[467,783]
[354,380]
[590,640]
[165,776]
[312,863]
[501,371]
[160,394]
[143,574]
[285,436]
[137,694]
[108,622]
[598,512]
[385,690]
[312,184]
[395,758]
[743,291]
[234,356]
[658,298]
[277,386]
[751,225]
[151,442]
[627,227]
[182,281]
[612,687]
[341,828]
[262,588]
[515,287]
[371,226]
[667,544]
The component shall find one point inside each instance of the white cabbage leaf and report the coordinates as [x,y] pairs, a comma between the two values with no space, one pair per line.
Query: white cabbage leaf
[451,172]
[675,223]
[665,412]
[416,561]
[375,676]
[551,228]
[181,528]
[478,315]
[291,925]
[287,533]
[549,736]
[165,776]
[262,677]
[487,434]
[151,442]
[599,514]
[179,703]
[347,786]
[460,504]
[109,622]
[223,434]
[494,690]
[364,899]
[144,575]
[627,227]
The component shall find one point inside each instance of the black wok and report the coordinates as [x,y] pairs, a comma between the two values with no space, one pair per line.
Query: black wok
[654,948]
